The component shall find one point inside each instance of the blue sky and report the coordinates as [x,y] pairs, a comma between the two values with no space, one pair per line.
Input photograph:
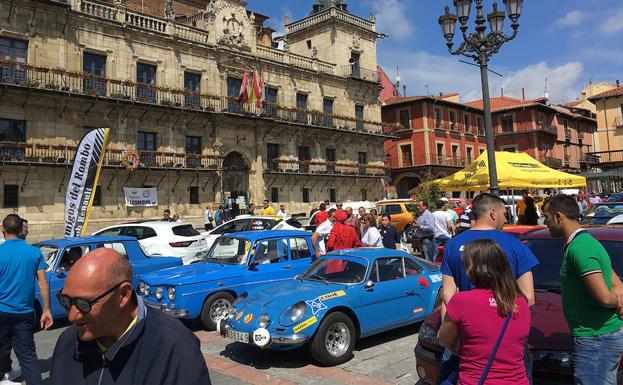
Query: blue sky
[567,42]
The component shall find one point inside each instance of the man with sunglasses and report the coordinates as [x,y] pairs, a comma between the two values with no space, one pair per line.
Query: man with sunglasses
[21,265]
[115,338]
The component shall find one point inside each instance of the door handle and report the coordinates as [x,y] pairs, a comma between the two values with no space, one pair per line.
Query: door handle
[289,267]
[410,292]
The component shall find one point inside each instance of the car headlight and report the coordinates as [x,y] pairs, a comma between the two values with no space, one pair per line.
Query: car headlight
[293,314]
[141,287]
[171,293]
[264,320]
[428,334]
[553,357]
[240,298]
[159,293]
[231,312]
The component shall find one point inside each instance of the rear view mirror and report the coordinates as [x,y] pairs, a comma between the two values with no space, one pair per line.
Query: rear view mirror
[253,264]
[369,285]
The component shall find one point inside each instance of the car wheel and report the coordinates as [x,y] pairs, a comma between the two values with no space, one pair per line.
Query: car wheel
[334,341]
[410,232]
[215,307]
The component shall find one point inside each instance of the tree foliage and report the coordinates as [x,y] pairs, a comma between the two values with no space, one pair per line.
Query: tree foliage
[428,192]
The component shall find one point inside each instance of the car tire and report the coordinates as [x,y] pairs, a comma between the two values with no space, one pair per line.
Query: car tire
[213,308]
[410,233]
[334,340]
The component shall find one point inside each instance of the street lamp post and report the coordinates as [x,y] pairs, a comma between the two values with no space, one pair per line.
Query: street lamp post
[480,47]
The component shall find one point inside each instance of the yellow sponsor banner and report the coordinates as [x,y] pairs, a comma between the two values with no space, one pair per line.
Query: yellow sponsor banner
[335,294]
[305,324]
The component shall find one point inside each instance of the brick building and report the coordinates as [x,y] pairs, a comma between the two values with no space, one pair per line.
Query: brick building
[439,135]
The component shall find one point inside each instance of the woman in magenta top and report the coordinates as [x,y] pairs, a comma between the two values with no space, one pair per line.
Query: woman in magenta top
[474,319]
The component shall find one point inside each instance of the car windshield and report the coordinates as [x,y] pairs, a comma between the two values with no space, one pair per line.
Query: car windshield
[335,270]
[549,253]
[605,211]
[229,251]
[49,253]
[185,231]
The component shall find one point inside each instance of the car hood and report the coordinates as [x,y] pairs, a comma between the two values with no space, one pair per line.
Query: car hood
[549,330]
[282,295]
[193,273]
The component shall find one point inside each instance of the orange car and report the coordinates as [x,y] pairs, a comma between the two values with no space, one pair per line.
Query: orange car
[400,210]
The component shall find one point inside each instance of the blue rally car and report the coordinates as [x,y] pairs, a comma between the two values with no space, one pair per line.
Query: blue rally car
[60,255]
[235,263]
[342,296]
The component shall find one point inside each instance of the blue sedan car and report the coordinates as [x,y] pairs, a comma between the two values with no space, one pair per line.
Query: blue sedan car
[61,254]
[236,263]
[342,296]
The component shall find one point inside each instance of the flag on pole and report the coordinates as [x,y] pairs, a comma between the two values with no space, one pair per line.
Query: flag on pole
[260,92]
[83,181]
[243,97]
[253,97]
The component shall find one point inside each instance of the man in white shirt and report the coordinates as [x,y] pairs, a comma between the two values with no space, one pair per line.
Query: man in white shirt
[321,234]
[282,211]
[442,225]
[208,218]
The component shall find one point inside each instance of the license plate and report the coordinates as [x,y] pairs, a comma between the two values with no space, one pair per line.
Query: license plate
[238,336]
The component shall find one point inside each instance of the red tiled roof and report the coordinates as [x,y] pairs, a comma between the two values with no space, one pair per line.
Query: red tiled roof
[504,103]
[618,91]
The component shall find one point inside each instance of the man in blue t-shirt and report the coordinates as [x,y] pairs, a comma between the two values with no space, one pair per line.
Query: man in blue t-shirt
[490,216]
[21,265]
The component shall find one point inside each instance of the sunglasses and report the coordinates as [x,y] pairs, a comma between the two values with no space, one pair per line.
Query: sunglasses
[82,304]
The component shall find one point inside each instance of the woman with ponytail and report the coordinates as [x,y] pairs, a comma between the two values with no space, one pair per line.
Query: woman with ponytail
[476,319]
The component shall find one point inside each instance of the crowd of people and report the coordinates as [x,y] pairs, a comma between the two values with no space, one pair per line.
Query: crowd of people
[488,289]
[339,229]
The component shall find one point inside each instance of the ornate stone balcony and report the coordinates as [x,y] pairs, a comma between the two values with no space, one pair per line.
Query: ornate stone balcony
[294,166]
[19,75]
[332,13]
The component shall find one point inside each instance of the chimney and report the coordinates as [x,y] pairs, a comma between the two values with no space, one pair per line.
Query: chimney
[440,94]
[523,94]
[618,84]
[404,90]
[286,19]
[502,92]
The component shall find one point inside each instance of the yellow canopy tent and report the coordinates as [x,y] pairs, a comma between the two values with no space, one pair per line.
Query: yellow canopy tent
[515,171]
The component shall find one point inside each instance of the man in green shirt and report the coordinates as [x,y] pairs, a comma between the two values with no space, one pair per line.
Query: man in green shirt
[592,295]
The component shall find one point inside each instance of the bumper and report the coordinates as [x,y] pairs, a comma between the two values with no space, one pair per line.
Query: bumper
[427,365]
[177,313]
[275,340]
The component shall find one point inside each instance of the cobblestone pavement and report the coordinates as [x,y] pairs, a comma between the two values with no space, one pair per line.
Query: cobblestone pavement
[379,360]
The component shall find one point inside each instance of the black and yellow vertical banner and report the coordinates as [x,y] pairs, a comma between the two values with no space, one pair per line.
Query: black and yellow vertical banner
[83,181]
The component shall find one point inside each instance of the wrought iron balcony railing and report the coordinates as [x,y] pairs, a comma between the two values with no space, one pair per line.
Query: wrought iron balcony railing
[295,166]
[58,80]
[63,155]
[355,72]
[552,162]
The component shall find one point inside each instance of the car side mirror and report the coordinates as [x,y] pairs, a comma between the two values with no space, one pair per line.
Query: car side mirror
[253,264]
[369,285]
[60,272]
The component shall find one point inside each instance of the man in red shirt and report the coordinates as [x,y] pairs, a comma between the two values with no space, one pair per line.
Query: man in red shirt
[342,235]
[321,215]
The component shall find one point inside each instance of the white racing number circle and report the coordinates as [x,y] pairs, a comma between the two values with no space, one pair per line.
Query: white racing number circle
[261,337]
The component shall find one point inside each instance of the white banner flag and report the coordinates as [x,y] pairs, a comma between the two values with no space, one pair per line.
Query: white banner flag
[140,197]
[83,181]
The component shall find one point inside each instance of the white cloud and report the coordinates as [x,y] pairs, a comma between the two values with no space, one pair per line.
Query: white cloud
[613,24]
[572,18]
[391,18]
[446,74]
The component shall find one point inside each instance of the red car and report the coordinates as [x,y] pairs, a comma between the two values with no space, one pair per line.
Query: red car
[549,340]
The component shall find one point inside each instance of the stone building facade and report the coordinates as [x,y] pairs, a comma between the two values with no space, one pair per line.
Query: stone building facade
[166,83]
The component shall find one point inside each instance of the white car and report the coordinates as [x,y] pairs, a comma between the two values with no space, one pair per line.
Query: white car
[251,222]
[161,238]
